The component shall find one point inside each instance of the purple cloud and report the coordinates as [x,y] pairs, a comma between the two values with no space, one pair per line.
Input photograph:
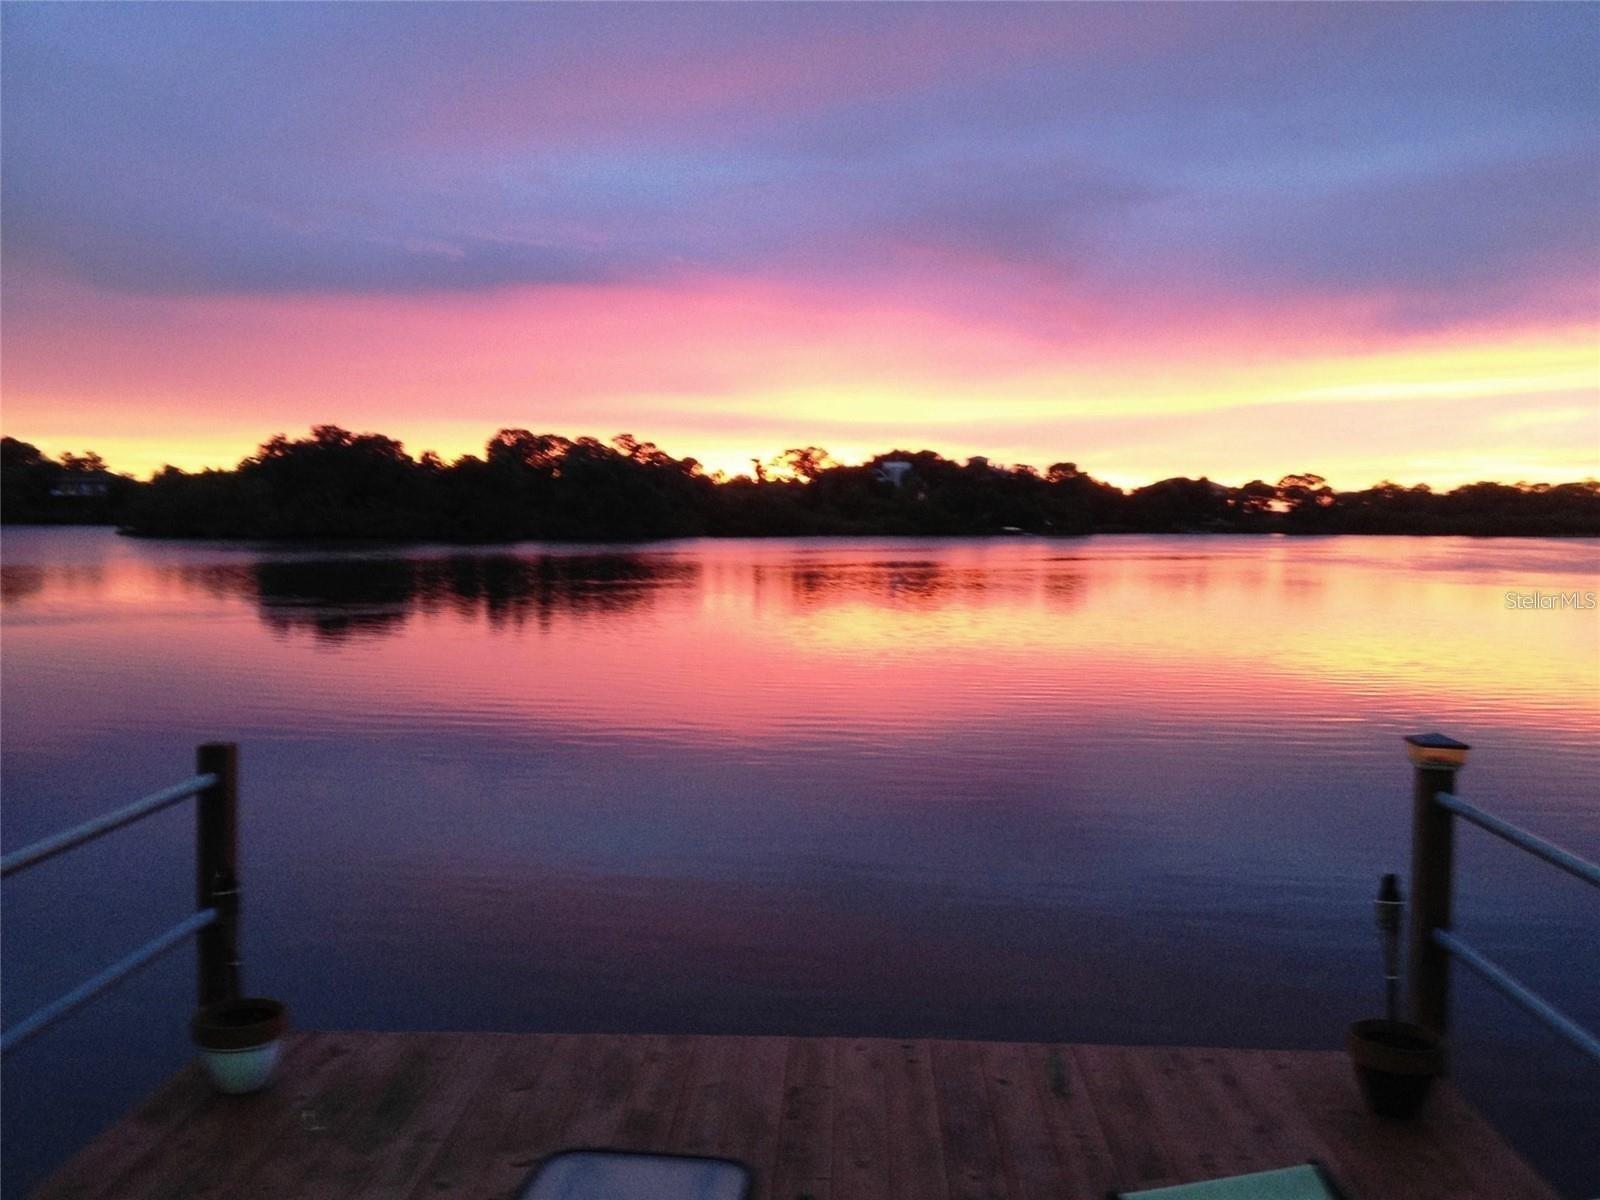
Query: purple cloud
[1441,156]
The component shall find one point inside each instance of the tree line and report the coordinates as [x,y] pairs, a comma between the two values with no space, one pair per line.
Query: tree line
[338,484]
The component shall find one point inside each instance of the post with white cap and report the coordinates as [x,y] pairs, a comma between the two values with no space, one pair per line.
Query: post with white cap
[1436,759]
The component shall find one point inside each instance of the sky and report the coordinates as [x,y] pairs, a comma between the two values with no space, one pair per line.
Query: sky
[1203,239]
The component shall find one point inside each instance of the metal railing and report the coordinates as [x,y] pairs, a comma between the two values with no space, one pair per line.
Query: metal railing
[1435,808]
[216,917]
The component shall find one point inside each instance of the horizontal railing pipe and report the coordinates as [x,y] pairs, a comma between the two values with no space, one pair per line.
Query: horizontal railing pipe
[1548,851]
[51,846]
[1530,1000]
[90,988]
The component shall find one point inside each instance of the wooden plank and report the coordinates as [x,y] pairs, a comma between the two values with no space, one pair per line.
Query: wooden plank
[1348,1156]
[697,1128]
[311,1151]
[657,1092]
[1379,1156]
[596,1120]
[1064,1099]
[1126,1121]
[754,1104]
[226,1136]
[1486,1157]
[804,1165]
[914,1139]
[138,1137]
[860,1156]
[1202,1138]
[393,1145]
[519,1063]
[732,1104]
[973,1166]
[534,1131]
[468,1115]
[1027,1149]
[1273,1121]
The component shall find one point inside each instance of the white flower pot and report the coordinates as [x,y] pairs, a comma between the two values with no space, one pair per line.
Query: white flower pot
[238,1071]
[240,1042]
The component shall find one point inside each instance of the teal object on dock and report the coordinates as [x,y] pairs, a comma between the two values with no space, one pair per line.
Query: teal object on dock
[1306,1182]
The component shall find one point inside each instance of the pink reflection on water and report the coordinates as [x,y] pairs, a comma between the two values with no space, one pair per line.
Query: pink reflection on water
[743,642]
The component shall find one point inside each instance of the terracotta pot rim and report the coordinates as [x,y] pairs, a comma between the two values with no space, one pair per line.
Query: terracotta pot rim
[1381,1025]
[239,1024]
[1420,1053]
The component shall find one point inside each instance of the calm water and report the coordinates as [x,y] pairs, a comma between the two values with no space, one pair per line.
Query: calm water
[1133,789]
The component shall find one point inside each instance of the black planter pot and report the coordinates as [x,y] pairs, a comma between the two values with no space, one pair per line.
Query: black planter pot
[1396,1064]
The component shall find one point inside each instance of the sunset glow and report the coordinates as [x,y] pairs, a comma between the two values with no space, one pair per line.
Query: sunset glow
[1035,233]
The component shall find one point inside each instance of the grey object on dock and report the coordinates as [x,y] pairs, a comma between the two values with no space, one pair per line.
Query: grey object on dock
[625,1175]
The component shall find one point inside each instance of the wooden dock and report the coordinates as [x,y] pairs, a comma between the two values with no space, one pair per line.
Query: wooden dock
[470,1114]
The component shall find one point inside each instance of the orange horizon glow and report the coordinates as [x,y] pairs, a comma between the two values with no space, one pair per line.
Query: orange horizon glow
[732,372]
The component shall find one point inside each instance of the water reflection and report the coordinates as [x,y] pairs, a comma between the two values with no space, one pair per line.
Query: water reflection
[352,596]
[342,598]
[1000,789]
[926,583]
[1239,621]
[17,583]
[25,580]
[374,594]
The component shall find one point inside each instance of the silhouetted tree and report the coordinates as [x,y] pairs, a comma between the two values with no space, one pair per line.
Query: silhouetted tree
[75,489]
[1306,502]
[806,462]
[335,483]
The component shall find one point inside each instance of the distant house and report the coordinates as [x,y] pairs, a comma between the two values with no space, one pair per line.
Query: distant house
[895,472]
[83,485]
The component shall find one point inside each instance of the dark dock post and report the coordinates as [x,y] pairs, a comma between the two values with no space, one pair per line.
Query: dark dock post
[1436,758]
[216,871]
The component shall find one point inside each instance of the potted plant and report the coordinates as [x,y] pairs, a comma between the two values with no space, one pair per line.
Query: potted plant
[1396,1061]
[240,1041]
